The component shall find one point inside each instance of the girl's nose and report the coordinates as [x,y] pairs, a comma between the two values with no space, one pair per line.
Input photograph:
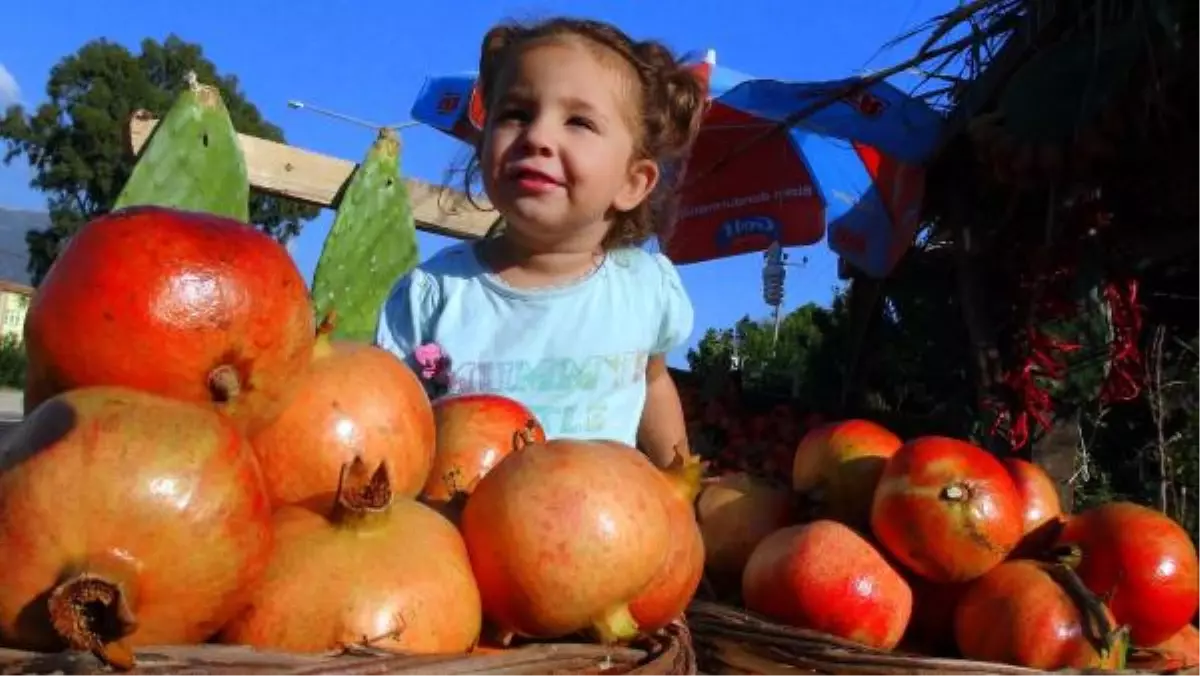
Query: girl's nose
[537,139]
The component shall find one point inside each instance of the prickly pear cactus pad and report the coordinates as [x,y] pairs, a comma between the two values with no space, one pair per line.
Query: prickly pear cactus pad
[372,242]
[193,160]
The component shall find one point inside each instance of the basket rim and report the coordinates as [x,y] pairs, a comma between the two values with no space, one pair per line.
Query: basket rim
[715,626]
[669,651]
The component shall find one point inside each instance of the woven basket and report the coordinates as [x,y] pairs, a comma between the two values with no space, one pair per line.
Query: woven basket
[669,653]
[732,641]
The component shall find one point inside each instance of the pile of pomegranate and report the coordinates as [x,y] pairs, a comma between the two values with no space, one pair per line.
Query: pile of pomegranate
[934,546]
[200,461]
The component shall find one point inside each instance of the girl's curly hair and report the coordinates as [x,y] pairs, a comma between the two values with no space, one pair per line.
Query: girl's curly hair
[671,100]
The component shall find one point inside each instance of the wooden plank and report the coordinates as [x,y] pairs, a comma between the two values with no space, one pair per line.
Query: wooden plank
[311,177]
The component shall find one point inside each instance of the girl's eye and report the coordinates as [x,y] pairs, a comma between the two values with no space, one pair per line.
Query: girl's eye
[513,114]
[577,121]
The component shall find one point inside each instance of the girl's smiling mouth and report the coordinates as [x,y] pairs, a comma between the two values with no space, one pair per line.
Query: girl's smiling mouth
[531,180]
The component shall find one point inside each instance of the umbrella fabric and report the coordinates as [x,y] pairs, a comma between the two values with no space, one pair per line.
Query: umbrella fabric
[450,103]
[854,165]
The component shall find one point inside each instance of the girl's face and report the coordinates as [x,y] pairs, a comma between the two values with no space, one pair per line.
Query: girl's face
[558,154]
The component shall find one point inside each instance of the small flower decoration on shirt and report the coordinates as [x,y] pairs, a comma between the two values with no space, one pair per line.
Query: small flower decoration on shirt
[435,367]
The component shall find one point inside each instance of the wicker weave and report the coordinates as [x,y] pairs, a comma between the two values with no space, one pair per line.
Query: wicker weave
[732,641]
[669,653]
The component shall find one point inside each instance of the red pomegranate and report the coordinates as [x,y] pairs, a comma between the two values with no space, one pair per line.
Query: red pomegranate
[1179,654]
[946,509]
[837,467]
[1020,613]
[355,401]
[735,513]
[392,573]
[931,628]
[1043,515]
[671,589]
[1141,562]
[563,535]
[126,519]
[474,432]
[201,308]
[825,576]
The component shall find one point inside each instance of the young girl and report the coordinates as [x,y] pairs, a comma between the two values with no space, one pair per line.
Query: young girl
[563,311]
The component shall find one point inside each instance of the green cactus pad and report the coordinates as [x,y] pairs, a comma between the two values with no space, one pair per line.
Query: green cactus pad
[373,242]
[193,160]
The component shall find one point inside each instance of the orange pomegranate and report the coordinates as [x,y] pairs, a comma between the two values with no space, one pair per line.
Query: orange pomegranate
[735,513]
[1042,516]
[946,509]
[384,570]
[200,308]
[563,535]
[474,432]
[1020,613]
[126,519]
[668,593]
[1140,561]
[355,401]
[837,467]
[825,576]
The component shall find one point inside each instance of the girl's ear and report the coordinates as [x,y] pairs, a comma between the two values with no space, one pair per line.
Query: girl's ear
[640,180]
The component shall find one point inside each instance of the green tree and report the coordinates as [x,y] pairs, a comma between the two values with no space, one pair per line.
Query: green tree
[77,142]
[790,366]
[911,371]
[12,362]
[713,352]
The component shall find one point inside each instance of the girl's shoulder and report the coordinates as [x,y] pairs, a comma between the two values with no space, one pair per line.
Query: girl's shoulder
[442,274]
[643,266]
[455,261]
[651,279]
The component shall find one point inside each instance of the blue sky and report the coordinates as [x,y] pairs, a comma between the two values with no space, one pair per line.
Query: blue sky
[368,58]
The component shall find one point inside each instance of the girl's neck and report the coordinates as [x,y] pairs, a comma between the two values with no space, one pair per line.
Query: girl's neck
[523,267]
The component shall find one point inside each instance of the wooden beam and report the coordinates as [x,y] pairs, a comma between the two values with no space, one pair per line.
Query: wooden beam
[310,177]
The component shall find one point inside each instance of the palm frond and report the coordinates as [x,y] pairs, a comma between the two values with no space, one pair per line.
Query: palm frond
[966,14]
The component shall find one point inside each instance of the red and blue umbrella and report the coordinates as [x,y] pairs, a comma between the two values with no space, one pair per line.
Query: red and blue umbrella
[850,171]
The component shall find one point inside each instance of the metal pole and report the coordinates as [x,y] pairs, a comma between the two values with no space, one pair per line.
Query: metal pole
[301,105]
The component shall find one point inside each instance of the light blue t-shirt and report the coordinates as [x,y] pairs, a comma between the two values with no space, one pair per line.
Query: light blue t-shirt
[575,355]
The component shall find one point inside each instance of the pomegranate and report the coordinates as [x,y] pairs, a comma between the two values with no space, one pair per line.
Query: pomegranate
[1179,654]
[563,535]
[474,432]
[126,519]
[946,509]
[931,628]
[1141,562]
[824,576]
[671,589]
[355,401]
[1042,516]
[388,571]
[1026,613]
[735,513]
[837,467]
[201,308]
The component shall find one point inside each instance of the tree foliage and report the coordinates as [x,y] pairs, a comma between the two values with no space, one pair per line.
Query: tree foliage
[790,366]
[910,373]
[77,143]
[13,362]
